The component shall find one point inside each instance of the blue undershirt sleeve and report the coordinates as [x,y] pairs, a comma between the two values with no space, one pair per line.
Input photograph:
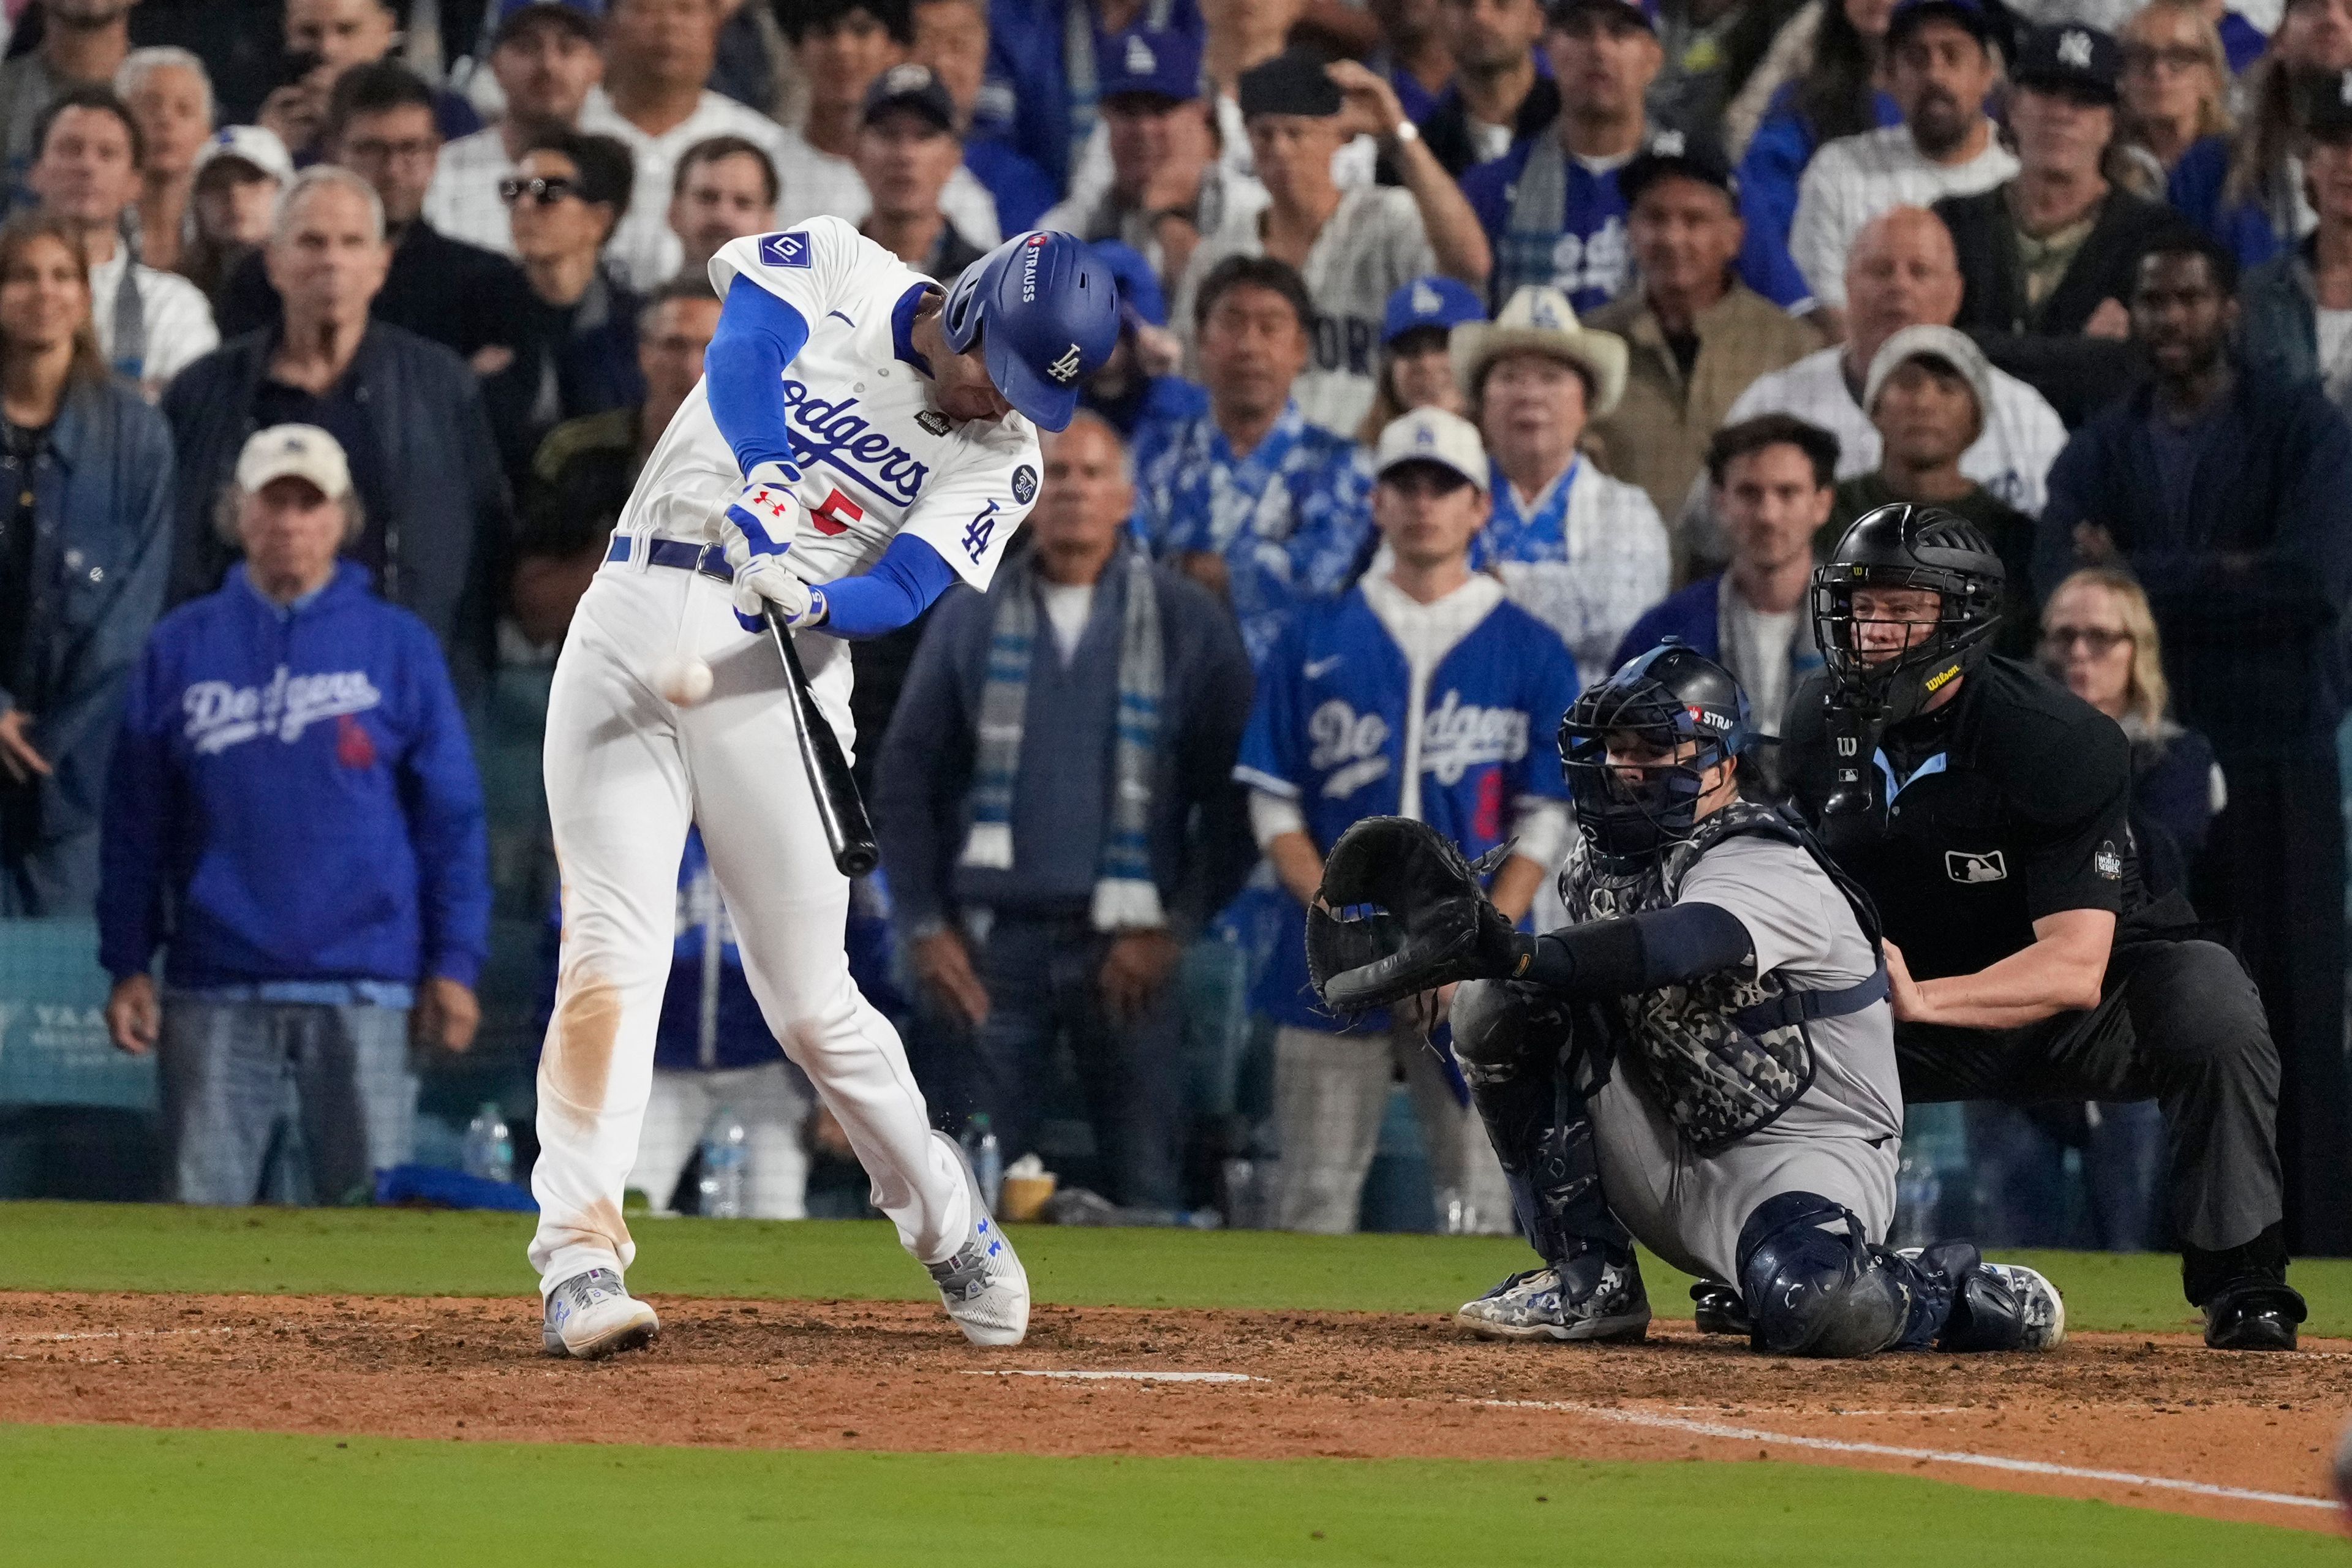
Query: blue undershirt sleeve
[1673,946]
[759,334]
[901,586]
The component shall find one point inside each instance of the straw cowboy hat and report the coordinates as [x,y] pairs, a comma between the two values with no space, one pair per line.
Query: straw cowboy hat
[1540,320]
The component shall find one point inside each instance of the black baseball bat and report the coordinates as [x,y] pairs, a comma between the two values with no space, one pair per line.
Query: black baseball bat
[848,831]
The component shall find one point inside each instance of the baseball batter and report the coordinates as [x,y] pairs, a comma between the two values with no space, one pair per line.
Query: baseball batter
[1706,1051]
[858,443]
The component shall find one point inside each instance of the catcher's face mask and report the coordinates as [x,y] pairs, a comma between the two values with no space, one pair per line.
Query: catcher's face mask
[1638,764]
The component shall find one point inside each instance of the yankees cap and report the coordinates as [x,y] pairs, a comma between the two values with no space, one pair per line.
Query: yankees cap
[911,86]
[2072,60]
[1433,436]
[294,452]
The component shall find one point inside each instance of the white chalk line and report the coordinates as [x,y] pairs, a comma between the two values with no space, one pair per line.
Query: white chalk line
[1114,1376]
[1932,1456]
[110,1334]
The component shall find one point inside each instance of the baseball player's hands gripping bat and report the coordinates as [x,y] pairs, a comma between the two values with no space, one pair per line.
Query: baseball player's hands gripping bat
[848,831]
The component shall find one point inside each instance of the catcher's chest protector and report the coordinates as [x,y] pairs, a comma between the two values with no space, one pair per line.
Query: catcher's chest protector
[1728,1055]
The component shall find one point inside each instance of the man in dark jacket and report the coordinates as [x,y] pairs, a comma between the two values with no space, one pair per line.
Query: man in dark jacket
[294,816]
[1503,91]
[1049,872]
[379,126]
[2046,259]
[405,411]
[2230,497]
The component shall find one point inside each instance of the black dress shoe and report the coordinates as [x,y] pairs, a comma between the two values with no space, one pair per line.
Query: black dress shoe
[2253,1315]
[1719,1309]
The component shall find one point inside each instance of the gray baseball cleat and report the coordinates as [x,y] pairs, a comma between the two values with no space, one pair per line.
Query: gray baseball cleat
[592,1315]
[984,1286]
[1590,1297]
[2041,1311]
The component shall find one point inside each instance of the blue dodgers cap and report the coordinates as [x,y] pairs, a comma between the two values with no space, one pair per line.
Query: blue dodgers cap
[1146,62]
[1441,302]
[1140,298]
[1045,311]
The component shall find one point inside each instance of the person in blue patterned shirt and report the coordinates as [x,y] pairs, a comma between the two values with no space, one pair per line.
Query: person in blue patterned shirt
[1249,498]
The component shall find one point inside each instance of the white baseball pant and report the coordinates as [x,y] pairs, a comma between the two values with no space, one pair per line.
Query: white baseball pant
[626,773]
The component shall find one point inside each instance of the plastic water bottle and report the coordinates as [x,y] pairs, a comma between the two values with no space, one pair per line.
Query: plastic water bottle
[725,1156]
[490,1147]
[980,1146]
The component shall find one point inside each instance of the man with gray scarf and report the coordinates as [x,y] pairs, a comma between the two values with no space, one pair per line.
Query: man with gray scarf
[1057,815]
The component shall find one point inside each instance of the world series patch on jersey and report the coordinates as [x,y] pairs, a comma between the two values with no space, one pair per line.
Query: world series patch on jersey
[876,457]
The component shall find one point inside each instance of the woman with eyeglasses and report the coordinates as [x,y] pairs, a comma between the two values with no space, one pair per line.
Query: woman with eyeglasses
[577,351]
[2176,132]
[2098,636]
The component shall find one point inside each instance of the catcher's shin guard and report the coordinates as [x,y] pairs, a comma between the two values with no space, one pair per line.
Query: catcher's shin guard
[1513,1045]
[1817,1292]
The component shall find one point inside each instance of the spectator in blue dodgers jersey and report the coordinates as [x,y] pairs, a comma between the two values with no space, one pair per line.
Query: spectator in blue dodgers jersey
[952,38]
[1416,363]
[1942,64]
[1248,498]
[1550,206]
[293,817]
[1059,817]
[85,547]
[1045,64]
[1423,692]
[1775,480]
[1138,386]
[1582,552]
[1353,247]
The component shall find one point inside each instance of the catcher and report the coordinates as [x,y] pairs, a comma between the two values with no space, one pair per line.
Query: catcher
[1707,1044]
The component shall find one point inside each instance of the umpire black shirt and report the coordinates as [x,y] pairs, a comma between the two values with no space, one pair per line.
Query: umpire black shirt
[2006,804]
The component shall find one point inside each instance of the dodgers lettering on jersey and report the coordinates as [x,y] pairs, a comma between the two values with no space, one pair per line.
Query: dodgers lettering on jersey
[876,458]
[1333,724]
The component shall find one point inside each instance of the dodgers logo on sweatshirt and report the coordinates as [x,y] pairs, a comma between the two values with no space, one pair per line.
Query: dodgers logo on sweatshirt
[220,715]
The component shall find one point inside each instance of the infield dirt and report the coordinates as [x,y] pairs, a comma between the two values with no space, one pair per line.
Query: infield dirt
[893,1376]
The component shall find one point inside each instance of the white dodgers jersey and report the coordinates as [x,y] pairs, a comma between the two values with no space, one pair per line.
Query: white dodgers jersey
[875,457]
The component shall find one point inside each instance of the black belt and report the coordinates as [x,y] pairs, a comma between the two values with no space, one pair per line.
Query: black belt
[710,560]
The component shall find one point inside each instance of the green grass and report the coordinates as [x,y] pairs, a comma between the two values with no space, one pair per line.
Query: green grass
[114,1495]
[391,1252]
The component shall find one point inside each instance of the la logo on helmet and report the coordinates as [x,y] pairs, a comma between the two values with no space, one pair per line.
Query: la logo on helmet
[1065,369]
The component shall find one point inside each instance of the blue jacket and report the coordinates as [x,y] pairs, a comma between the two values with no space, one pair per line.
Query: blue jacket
[443,508]
[2195,189]
[1328,732]
[1021,189]
[1025,98]
[2248,573]
[102,550]
[294,798]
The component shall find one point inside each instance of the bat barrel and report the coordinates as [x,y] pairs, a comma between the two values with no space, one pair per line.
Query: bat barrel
[848,831]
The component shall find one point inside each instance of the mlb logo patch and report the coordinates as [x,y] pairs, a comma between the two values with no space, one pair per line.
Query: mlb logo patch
[1962,867]
[785,249]
[1024,484]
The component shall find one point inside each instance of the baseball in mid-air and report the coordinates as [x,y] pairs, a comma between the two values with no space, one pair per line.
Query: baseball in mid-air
[682,678]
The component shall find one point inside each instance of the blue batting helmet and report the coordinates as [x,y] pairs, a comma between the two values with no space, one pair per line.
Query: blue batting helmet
[1044,310]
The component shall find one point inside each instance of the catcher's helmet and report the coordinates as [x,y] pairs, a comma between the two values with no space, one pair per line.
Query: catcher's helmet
[1044,310]
[1667,697]
[1907,546]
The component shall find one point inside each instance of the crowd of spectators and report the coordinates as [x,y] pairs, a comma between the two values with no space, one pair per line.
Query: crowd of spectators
[1468,348]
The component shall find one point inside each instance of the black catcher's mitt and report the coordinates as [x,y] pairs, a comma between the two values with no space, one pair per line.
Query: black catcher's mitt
[1400,912]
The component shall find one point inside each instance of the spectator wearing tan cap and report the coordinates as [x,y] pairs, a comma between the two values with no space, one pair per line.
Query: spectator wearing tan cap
[1584,552]
[291,733]
[1697,335]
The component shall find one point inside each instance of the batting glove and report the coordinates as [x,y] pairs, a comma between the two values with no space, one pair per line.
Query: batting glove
[755,532]
[764,581]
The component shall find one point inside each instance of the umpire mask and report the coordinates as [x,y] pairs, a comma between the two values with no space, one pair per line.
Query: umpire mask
[1675,715]
[1904,546]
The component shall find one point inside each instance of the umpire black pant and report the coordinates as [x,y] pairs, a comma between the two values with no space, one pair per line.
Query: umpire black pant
[2179,1022]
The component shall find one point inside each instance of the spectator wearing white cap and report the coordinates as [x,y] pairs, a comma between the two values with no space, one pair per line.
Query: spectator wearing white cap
[239,171]
[1422,692]
[291,732]
[1941,63]
[171,99]
[545,59]
[1354,247]
[1583,552]
[1928,393]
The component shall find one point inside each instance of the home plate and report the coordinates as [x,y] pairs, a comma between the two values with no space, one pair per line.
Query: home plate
[1115,1376]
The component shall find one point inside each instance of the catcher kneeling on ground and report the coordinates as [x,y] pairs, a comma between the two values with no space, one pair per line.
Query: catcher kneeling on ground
[1707,1050]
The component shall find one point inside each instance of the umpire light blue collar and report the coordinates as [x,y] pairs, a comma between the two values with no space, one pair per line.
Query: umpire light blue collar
[1045,311]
